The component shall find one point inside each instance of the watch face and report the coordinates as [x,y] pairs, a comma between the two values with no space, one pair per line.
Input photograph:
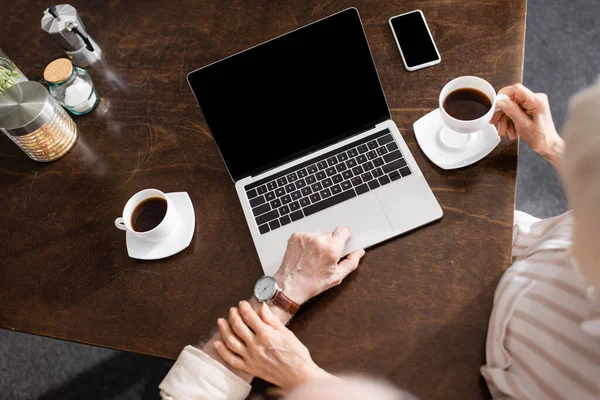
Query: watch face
[265,288]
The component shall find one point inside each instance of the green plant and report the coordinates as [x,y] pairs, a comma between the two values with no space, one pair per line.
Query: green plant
[8,74]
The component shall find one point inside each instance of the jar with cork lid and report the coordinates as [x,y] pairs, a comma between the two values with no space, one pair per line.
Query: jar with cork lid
[71,86]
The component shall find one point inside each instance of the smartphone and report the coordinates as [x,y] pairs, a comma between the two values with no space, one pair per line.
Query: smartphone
[414,40]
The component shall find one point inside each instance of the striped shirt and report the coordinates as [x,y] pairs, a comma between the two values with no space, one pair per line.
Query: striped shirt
[544,333]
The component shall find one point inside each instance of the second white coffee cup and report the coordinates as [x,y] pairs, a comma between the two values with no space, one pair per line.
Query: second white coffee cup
[469,82]
[162,230]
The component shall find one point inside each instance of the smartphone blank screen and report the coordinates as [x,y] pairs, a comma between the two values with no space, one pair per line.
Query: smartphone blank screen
[415,41]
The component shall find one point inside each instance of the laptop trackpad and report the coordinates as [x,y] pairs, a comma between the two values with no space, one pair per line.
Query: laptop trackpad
[363,215]
[409,203]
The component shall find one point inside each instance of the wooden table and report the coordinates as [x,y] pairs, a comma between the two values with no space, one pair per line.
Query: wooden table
[415,312]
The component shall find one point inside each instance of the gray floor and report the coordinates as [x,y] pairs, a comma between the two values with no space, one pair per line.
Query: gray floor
[562,55]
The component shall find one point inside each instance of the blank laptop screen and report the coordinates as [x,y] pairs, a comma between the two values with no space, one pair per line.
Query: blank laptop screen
[291,95]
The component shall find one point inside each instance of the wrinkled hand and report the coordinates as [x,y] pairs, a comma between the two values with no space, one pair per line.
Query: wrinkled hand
[528,115]
[311,264]
[261,346]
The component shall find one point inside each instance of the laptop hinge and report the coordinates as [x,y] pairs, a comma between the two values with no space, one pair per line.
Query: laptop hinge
[361,131]
[313,151]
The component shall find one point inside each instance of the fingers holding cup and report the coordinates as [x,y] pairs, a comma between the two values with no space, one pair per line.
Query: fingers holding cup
[512,131]
[496,117]
[503,125]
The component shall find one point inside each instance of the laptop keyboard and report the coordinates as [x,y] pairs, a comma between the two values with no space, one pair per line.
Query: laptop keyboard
[325,181]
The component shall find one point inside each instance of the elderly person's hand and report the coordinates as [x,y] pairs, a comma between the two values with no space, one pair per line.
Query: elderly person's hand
[312,265]
[528,115]
[261,346]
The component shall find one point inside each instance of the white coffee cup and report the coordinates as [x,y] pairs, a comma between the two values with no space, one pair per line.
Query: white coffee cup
[469,82]
[162,230]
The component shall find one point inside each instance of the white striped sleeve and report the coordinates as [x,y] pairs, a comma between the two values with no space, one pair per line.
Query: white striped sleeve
[197,376]
[544,331]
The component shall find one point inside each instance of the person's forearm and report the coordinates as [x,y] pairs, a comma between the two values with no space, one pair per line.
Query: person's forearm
[209,347]
[555,152]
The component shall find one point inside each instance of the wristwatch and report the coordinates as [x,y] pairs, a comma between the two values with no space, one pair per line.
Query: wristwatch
[266,290]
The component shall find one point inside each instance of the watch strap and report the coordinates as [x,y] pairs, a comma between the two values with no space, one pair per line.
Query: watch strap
[285,303]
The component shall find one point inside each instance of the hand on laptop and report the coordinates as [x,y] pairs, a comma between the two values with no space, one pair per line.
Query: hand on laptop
[528,115]
[260,345]
[312,265]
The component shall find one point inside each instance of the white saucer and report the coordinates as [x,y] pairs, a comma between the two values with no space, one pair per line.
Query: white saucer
[178,240]
[428,131]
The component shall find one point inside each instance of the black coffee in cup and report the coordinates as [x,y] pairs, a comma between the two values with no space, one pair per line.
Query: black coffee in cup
[467,104]
[148,214]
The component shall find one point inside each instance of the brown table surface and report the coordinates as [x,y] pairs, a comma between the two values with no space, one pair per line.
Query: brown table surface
[415,312]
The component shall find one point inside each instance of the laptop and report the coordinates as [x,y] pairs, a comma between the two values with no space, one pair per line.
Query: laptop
[305,131]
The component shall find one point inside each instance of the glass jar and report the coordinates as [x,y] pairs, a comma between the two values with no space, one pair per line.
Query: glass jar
[9,73]
[36,122]
[71,86]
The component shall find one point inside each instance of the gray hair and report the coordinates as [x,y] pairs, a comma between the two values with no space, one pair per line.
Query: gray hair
[581,170]
[352,387]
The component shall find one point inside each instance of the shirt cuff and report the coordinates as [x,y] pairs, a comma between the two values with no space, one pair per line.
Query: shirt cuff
[196,375]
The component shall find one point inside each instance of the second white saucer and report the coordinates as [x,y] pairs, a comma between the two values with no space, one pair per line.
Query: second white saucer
[178,240]
[449,150]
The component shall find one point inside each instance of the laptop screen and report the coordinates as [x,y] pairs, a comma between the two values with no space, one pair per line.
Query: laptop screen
[291,95]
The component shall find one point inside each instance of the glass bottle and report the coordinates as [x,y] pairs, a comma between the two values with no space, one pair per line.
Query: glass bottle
[9,73]
[71,86]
